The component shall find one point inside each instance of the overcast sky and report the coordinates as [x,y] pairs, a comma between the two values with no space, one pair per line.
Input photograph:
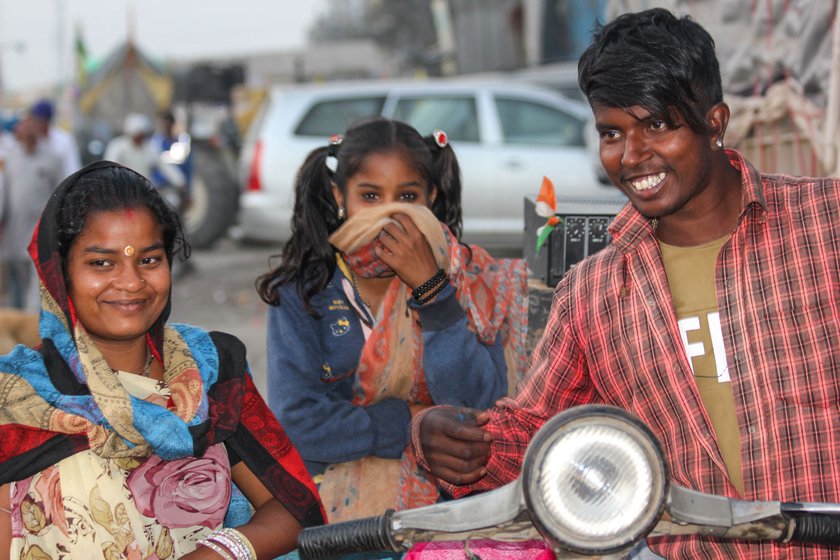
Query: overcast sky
[37,36]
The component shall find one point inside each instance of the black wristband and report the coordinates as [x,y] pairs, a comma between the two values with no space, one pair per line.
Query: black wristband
[434,292]
[420,290]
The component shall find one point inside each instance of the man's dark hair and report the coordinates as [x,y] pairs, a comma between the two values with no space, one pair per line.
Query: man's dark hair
[654,60]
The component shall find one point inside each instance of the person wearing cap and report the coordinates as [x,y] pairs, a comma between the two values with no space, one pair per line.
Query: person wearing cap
[133,149]
[56,138]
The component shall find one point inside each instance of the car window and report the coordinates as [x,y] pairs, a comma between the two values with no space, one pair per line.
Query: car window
[456,115]
[529,122]
[329,117]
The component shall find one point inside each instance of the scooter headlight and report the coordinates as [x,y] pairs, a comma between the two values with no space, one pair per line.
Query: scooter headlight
[595,480]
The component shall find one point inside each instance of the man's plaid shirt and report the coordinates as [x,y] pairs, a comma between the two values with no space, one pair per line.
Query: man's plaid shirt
[612,337]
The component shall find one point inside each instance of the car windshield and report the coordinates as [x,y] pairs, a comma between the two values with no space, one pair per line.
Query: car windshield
[526,122]
[332,116]
[456,115]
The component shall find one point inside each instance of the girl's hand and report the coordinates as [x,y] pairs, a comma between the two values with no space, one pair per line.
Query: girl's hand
[405,249]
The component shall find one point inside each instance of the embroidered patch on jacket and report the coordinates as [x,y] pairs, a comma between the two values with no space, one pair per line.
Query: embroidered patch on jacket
[340,327]
[338,305]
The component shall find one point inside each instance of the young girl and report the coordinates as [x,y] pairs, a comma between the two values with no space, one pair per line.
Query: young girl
[378,311]
[121,434]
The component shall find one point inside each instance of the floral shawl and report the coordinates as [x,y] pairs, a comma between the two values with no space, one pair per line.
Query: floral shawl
[493,294]
[62,398]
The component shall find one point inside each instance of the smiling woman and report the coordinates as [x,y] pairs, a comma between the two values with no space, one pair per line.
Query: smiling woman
[119,290]
[123,436]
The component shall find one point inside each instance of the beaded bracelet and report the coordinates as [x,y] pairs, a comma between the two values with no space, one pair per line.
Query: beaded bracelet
[434,292]
[418,292]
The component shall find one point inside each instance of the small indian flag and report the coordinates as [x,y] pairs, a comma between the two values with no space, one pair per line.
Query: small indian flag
[546,208]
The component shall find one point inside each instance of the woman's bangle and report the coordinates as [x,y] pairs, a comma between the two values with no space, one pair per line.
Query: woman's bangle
[230,544]
[434,292]
[216,548]
[420,290]
[242,540]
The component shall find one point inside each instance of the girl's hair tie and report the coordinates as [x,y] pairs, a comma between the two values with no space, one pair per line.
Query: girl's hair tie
[332,152]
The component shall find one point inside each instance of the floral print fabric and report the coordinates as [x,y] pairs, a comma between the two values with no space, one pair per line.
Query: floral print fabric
[88,506]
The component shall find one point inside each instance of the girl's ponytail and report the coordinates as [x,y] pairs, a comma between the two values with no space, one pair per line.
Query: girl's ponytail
[308,257]
[447,179]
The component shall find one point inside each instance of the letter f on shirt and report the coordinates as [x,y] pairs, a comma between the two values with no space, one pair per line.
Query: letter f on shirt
[698,349]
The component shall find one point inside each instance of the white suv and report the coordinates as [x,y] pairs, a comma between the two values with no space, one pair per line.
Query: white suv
[507,136]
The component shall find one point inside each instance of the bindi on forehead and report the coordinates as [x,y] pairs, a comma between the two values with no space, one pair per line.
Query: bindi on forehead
[128,213]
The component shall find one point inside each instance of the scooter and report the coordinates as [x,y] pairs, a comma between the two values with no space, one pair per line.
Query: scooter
[594,483]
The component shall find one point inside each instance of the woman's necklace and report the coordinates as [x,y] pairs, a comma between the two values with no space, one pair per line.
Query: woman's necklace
[147,366]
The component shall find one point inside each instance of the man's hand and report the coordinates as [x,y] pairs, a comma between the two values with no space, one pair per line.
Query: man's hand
[454,445]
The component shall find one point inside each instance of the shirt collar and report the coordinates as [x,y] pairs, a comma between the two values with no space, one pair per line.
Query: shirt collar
[629,227]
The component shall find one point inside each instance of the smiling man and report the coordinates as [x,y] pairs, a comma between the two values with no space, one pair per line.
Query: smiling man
[713,314]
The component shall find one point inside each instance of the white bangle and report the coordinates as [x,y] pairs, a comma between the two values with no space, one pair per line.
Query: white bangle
[230,544]
[216,548]
[238,552]
[242,540]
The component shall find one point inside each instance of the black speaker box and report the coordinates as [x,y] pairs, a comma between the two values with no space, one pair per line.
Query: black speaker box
[582,231]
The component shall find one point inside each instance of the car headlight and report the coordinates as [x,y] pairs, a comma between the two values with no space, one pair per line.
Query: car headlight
[595,480]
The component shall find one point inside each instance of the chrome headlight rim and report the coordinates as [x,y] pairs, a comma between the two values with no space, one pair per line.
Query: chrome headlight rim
[582,417]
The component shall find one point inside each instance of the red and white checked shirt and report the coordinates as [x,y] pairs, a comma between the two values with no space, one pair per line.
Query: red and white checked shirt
[612,337]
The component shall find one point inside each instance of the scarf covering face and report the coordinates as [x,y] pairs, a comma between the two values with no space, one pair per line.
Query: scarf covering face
[63,398]
[494,296]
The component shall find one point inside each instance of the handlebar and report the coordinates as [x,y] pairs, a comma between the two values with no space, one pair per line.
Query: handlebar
[816,529]
[602,439]
[371,533]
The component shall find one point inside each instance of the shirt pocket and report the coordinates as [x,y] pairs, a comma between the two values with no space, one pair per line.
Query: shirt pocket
[801,350]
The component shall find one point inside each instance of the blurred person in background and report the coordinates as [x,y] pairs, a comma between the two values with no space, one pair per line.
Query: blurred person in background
[135,150]
[173,149]
[57,139]
[7,142]
[132,147]
[379,311]
[173,171]
[7,137]
[30,173]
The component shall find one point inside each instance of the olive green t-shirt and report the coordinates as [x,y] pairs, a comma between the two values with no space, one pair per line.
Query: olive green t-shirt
[691,276]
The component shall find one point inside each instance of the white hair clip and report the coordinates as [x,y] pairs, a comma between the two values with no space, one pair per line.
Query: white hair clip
[332,152]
